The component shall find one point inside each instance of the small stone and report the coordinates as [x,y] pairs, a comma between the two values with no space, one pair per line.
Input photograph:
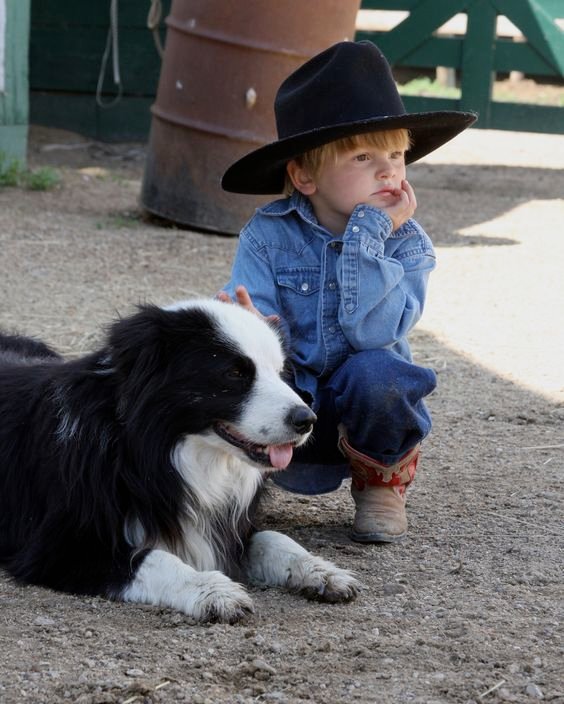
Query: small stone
[257,668]
[44,621]
[533,690]
[260,665]
[393,589]
[134,672]
[456,633]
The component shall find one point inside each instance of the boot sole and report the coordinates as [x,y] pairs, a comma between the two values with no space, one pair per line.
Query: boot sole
[377,537]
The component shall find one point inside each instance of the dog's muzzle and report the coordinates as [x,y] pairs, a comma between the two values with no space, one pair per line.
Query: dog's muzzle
[301,419]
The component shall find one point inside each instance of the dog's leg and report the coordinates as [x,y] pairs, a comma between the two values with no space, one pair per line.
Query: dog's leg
[164,580]
[274,559]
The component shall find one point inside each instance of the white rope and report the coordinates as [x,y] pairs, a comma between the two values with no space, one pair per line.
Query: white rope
[153,23]
[112,45]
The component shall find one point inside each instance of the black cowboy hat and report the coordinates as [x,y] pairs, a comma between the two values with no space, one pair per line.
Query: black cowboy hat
[345,90]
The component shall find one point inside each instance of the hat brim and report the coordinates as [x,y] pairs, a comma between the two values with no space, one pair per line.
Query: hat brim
[263,170]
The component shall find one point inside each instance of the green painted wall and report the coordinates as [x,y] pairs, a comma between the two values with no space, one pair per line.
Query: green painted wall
[67,43]
[14,104]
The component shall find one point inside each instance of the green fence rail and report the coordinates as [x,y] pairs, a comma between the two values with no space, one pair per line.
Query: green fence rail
[479,54]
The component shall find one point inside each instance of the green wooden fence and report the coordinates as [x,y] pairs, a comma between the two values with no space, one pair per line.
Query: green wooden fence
[479,54]
[68,39]
[14,85]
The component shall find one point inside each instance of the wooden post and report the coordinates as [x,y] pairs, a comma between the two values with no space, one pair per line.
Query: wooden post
[478,60]
[14,102]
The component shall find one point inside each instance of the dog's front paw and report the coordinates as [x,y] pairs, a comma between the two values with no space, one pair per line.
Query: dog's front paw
[320,580]
[220,600]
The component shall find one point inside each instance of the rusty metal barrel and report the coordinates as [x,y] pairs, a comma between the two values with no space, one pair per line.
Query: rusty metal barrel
[222,66]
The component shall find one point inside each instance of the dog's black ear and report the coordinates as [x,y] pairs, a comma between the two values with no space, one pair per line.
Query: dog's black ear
[149,352]
[137,348]
[145,340]
[135,338]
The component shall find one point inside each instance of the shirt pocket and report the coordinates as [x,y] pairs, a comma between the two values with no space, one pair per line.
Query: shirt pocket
[299,293]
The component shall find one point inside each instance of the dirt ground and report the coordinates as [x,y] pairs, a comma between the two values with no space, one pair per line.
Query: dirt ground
[469,608]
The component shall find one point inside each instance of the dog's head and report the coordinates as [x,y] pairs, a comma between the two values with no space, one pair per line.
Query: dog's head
[212,369]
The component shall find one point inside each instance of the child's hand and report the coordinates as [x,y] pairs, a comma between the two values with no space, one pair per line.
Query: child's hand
[243,299]
[403,207]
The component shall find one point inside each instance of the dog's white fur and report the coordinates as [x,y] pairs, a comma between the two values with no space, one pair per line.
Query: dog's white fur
[190,581]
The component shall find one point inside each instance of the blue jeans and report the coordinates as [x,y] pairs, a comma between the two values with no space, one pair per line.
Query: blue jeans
[378,396]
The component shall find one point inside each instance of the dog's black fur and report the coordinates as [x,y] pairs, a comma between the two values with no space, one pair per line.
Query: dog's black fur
[134,472]
[73,486]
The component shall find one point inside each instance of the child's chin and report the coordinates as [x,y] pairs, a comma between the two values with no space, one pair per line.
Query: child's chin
[383,200]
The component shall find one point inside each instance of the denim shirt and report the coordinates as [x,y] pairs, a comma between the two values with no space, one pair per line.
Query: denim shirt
[362,290]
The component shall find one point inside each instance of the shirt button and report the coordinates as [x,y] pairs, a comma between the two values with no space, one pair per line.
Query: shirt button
[304,287]
[356,228]
[332,329]
[360,213]
[332,285]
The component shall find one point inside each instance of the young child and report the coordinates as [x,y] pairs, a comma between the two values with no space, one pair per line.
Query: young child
[344,267]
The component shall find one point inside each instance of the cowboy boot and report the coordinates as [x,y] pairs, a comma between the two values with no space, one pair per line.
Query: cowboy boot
[378,491]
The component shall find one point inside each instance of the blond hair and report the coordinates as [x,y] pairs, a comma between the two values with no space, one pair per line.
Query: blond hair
[314,160]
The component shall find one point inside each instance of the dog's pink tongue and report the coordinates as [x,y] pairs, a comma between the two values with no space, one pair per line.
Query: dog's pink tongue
[280,455]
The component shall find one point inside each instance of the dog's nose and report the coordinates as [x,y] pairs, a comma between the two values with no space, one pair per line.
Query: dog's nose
[301,418]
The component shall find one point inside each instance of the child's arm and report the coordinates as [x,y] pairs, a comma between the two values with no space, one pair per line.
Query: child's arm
[383,277]
[252,283]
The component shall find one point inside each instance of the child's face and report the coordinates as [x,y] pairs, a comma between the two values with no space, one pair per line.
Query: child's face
[364,174]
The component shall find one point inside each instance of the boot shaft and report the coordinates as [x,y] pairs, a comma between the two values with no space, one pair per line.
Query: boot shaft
[367,471]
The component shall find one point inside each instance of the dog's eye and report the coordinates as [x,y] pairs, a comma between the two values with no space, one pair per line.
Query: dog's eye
[236,373]
[239,370]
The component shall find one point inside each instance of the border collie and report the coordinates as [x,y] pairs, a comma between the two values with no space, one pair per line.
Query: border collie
[134,472]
